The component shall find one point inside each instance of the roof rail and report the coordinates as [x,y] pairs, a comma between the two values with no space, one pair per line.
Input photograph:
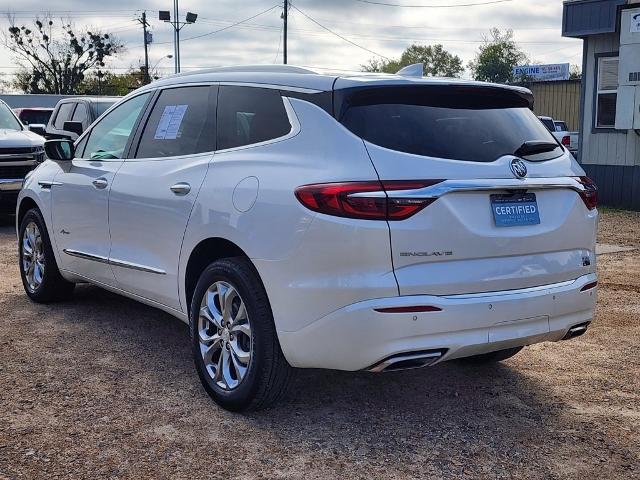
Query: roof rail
[250,68]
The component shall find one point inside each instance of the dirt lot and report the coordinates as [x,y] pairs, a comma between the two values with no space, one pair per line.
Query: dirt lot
[105,387]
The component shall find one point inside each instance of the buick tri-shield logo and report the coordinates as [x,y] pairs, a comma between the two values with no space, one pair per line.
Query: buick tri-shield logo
[518,168]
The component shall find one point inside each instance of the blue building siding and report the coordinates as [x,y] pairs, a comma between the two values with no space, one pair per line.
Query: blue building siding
[590,17]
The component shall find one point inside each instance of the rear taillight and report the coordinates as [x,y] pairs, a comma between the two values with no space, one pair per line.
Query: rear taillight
[590,194]
[365,200]
[566,140]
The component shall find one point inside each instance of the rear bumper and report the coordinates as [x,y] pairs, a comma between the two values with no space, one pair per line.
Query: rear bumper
[357,337]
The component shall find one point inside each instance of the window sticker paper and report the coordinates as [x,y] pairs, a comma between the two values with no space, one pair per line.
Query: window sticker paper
[170,121]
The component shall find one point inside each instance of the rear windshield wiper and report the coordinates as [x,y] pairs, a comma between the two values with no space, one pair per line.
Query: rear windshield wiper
[532,147]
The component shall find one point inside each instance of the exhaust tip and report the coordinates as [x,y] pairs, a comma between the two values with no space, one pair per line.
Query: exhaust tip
[407,361]
[576,331]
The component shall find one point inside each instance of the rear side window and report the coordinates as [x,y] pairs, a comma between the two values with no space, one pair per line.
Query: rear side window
[64,114]
[470,124]
[547,122]
[182,122]
[80,115]
[248,115]
[30,117]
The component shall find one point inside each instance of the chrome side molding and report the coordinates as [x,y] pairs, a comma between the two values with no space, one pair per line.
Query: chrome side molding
[85,256]
[113,262]
[136,266]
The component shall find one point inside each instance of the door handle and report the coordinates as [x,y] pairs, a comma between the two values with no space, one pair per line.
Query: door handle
[100,183]
[181,188]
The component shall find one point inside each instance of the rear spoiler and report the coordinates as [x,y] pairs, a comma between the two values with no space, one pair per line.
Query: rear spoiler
[436,94]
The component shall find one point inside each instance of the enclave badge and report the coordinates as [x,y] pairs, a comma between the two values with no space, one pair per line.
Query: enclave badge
[518,168]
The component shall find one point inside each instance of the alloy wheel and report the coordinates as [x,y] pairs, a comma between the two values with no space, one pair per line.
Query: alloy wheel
[33,265]
[224,333]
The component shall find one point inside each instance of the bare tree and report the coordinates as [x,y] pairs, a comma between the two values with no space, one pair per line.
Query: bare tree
[53,58]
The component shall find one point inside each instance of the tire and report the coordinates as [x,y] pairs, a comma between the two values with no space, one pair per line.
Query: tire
[46,284]
[492,357]
[235,381]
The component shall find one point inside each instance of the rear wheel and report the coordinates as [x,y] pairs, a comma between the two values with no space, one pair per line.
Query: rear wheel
[235,346]
[38,268]
[492,357]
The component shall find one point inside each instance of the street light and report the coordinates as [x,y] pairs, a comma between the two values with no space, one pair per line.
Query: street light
[158,63]
[165,16]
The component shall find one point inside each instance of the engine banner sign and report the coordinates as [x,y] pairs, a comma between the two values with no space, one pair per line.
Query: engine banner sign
[542,73]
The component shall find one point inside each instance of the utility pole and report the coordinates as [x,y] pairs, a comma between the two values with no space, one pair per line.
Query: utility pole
[285,16]
[145,24]
[176,36]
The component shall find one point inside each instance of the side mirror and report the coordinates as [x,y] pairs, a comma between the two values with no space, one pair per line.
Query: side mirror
[61,150]
[38,128]
[73,127]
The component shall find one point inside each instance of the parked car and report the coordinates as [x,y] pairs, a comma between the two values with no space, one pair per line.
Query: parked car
[72,116]
[295,219]
[20,151]
[573,136]
[559,130]
[35,118]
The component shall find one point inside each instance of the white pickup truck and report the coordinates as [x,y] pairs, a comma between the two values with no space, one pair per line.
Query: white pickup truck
[20,151]
[560,130]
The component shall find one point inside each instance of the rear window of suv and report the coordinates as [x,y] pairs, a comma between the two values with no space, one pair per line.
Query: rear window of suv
[476,124]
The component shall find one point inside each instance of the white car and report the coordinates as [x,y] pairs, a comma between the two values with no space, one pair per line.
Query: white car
[295,219]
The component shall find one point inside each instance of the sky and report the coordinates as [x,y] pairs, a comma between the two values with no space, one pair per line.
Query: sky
[368,29]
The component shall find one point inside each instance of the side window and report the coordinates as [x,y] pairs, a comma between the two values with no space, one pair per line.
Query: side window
[80,115]
[64,114]
[182,122]
[108,138]
[248,115]
[607,92]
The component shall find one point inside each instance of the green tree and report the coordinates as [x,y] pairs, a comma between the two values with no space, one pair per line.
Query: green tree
[436,60]
[108,83]
[53,58]
[496,58]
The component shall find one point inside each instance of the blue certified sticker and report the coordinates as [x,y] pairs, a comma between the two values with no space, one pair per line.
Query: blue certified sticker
[515,210]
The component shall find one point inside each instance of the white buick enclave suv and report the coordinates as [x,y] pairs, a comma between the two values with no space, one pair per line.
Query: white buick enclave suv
[297,219]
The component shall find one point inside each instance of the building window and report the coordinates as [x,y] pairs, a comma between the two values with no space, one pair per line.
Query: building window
[607,93]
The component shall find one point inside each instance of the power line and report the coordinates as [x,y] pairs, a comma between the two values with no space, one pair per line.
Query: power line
[491,2]
[338,35]
[279,44]
[225,28]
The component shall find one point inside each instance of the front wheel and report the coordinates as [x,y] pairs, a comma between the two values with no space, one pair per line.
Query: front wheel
[41,278]
[235,346]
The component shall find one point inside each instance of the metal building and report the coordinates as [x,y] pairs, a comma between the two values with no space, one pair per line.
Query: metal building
[610,98]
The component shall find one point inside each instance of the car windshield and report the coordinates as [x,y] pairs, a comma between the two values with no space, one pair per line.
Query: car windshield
[30,117]
[8,120]
[458,124]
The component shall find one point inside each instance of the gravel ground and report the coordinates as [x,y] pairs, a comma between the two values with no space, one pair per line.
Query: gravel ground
[103,387]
